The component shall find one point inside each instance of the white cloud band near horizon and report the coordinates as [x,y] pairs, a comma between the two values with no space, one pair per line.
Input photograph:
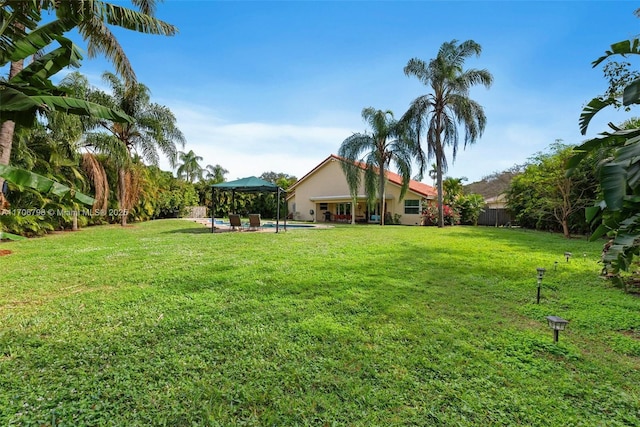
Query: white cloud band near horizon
[252,148]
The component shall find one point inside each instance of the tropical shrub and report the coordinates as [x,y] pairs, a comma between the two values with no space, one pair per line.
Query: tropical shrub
[543,197]
[470,207]
[430,215]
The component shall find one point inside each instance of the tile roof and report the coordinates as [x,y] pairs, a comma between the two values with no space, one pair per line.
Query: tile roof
[415,186]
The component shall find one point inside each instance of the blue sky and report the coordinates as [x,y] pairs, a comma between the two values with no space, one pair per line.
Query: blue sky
[277,86]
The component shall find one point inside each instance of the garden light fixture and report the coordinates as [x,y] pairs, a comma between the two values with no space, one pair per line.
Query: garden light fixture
[557,324]
[567,255]
[540,271]
[555,265]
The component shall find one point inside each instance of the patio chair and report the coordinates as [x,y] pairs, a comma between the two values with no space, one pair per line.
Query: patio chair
[235,223]
[254,222]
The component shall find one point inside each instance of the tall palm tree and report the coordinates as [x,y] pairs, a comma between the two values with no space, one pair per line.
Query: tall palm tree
[92,18]
[437,115]
[215,174]
[153,129]
[189,168]
[391,141]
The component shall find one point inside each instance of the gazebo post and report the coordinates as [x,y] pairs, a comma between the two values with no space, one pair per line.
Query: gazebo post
[286,210]
[213,209]
[278,210]
[233,201]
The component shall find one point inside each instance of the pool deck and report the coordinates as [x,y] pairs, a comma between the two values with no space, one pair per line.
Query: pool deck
[270,228]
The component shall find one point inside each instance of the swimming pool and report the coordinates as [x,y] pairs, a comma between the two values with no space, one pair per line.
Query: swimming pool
[281,225]
[271,224]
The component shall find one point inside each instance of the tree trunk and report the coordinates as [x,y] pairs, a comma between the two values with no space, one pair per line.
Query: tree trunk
[6,138]
[353,211]
[7,129]
[565,228]
[440,195]
[122,195]
[74,226]
[381,193]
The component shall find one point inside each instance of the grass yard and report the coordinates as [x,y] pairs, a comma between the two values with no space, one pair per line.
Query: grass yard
[164,323]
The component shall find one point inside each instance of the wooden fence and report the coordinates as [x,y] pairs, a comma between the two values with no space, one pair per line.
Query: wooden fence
[494,217]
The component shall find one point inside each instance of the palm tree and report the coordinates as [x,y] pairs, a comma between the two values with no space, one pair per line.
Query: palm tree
[189,168]
[437,115]
[452,190]
[390,141]
[215,174]
[153,128]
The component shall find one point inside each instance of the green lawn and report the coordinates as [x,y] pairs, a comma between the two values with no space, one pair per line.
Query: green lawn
[163,323]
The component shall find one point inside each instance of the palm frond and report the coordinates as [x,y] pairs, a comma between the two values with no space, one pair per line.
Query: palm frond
[590,110]
[623,48]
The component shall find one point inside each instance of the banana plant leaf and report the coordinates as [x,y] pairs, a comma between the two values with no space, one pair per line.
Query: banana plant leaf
[38,72]
[623,48]
[22,108]
[614,184]
[590,110]
[42,184]
[33,42]
[631,94]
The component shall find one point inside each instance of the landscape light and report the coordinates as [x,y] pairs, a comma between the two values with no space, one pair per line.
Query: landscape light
[555,265]
[567,255]
[540,271]
[557,324]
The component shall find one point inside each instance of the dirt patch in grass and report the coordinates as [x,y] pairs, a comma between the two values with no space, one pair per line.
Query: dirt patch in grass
[4,252]
[633,333]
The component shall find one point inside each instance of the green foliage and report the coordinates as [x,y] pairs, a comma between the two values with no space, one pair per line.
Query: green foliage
[231,329]
[392,220]
[23,178]
[545,198]
[189,169]
[174,201]
[30,91]
[453,189]
[21,35]
[616,216]
[282,180]
[470,207]
[34,213]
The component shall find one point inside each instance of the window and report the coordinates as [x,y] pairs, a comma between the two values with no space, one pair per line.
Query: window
[324,206]
[411,207]
[343,208]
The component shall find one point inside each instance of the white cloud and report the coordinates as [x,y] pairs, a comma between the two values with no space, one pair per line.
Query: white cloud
[251,148]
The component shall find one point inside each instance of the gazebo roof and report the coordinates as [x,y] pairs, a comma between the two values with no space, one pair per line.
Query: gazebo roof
[248,185]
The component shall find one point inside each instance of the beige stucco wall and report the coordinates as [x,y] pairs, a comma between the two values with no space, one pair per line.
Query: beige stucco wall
[328,185]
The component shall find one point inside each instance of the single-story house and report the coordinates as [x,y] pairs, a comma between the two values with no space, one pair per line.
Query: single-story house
[497,202]
[323,195]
